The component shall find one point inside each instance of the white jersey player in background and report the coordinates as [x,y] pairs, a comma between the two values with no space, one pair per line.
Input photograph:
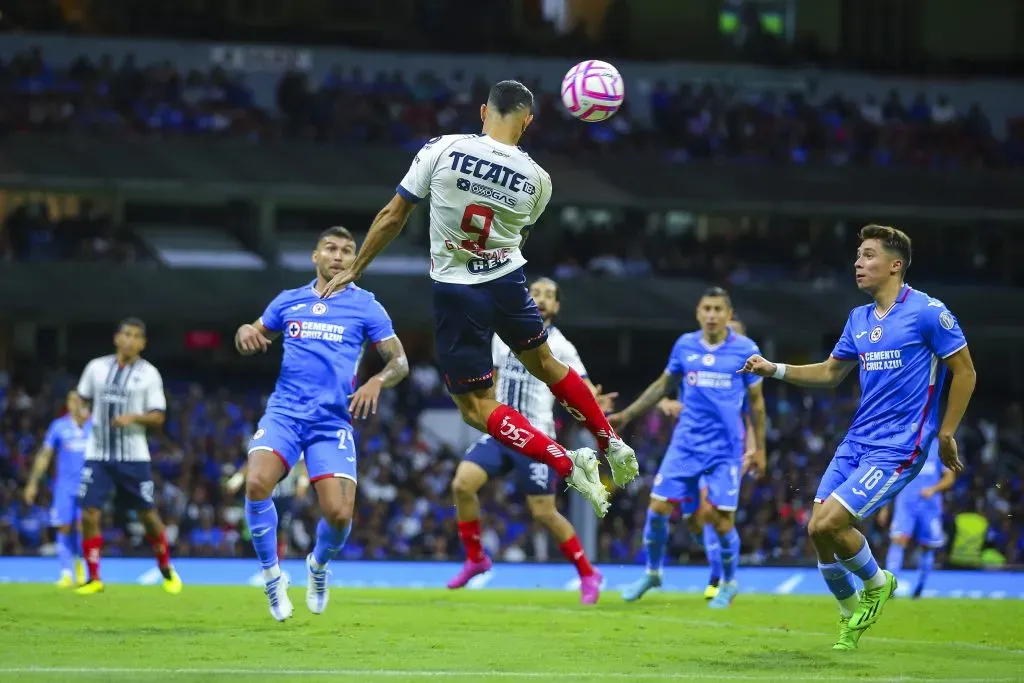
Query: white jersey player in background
[488,458]
[126,395]
[485,192]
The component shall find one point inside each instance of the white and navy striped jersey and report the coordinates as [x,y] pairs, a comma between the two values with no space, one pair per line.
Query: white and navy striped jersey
[115,390]
[518,389]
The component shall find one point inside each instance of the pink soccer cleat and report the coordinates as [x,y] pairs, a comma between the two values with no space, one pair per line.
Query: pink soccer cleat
[590,588]
[469,570]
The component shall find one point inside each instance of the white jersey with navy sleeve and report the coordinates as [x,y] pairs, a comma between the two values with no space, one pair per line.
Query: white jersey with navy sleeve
[483,193]
[900,354]
[518,389]
[116,390]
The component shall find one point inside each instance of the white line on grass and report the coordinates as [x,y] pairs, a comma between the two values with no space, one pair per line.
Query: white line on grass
[396,673]
[711,624]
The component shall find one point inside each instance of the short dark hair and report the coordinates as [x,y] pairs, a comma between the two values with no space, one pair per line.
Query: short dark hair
[132,322]
[892,239]
[548,281]
[715,292]
[336,231]
[510,96]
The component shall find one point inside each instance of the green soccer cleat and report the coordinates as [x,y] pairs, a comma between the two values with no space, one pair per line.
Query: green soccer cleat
[871,603]
[848,637]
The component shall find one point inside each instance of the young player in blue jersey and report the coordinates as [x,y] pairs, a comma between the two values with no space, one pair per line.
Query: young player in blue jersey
[904,342]
[708,441]
[485,195]
[311,409]
[705,513]
[917,515]
[66,438]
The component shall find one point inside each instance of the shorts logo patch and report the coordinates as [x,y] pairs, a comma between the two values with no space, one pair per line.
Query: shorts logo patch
[259,434]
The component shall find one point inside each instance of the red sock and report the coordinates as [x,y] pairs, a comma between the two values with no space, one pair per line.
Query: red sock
[576,397]
[513,430]
[573,551]
[160,550]
[92,548]
[469,532]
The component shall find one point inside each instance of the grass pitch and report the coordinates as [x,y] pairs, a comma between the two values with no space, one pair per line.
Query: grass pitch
[136,633]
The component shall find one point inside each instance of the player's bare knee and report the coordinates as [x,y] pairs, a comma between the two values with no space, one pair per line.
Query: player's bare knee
[542,509]
[338,516]
[662,507]
[262,474]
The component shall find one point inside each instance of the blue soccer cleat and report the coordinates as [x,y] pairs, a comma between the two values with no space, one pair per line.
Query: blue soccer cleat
[636,590]
[727,591]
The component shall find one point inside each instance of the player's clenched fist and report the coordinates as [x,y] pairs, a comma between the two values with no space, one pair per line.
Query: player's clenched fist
[757,365]
[249,340]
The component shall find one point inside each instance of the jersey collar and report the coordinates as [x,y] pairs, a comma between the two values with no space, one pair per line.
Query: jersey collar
[312,288]
[714,347]
[900,298]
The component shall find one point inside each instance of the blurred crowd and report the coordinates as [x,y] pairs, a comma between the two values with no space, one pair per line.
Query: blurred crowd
[404,507]
[31,233]
[687,121]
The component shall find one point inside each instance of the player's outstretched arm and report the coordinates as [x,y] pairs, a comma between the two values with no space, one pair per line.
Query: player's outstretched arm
[39,467]
[829,373]
[961,388]
[389,222]
[657,390]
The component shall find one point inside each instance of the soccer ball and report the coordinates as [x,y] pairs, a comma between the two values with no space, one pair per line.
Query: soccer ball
[593,91]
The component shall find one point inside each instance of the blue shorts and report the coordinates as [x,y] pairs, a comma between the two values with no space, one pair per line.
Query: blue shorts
[64,510]
[329,448]
[535,478]
[467,316]
[864,478]
[682,475]
[918,518]
[133,482]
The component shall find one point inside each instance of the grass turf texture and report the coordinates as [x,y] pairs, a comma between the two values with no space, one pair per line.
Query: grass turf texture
[136,633]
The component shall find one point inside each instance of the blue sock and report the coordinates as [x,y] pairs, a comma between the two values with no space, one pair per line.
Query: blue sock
[713,549]
[729,544]
[894,558]
[329,541]
[925,562]
[75,542]
[261,516]
[863,564]
[655,540]
[840,582]
[65,552]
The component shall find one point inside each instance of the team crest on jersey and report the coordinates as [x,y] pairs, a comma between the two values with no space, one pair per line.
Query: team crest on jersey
[319,308]
[946,320]
[259,434]
[708,359]
[876,334]
[691,378]
[295,329]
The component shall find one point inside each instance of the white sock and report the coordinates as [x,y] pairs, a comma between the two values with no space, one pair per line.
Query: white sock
[848,605]
[271,573]
[876,581]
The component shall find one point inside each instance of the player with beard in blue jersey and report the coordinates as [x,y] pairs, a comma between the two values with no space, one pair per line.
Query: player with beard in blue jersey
[66,438]
[903,342]
[311,409]
[917,515]
[708,441]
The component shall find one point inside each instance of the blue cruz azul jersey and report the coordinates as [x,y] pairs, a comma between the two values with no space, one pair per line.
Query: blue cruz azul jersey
[323,343]
[713,395]
[900,354]
[68,442]
[929,476]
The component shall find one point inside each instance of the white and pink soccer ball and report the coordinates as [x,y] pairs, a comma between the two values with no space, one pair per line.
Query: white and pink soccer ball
[593,91]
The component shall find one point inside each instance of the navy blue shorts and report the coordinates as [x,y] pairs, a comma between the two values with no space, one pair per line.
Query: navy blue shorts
[535,478]
[133,482]
[467,316]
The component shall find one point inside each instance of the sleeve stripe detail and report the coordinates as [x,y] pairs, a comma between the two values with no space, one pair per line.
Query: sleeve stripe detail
[390,336]
[407,196]
[955,351]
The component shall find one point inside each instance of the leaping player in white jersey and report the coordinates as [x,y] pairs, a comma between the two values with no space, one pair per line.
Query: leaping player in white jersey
[487,458]
[485,193]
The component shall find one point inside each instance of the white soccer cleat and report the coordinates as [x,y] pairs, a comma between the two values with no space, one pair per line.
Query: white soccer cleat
[622,461]
[586,478]
[317,586]
[277,595]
